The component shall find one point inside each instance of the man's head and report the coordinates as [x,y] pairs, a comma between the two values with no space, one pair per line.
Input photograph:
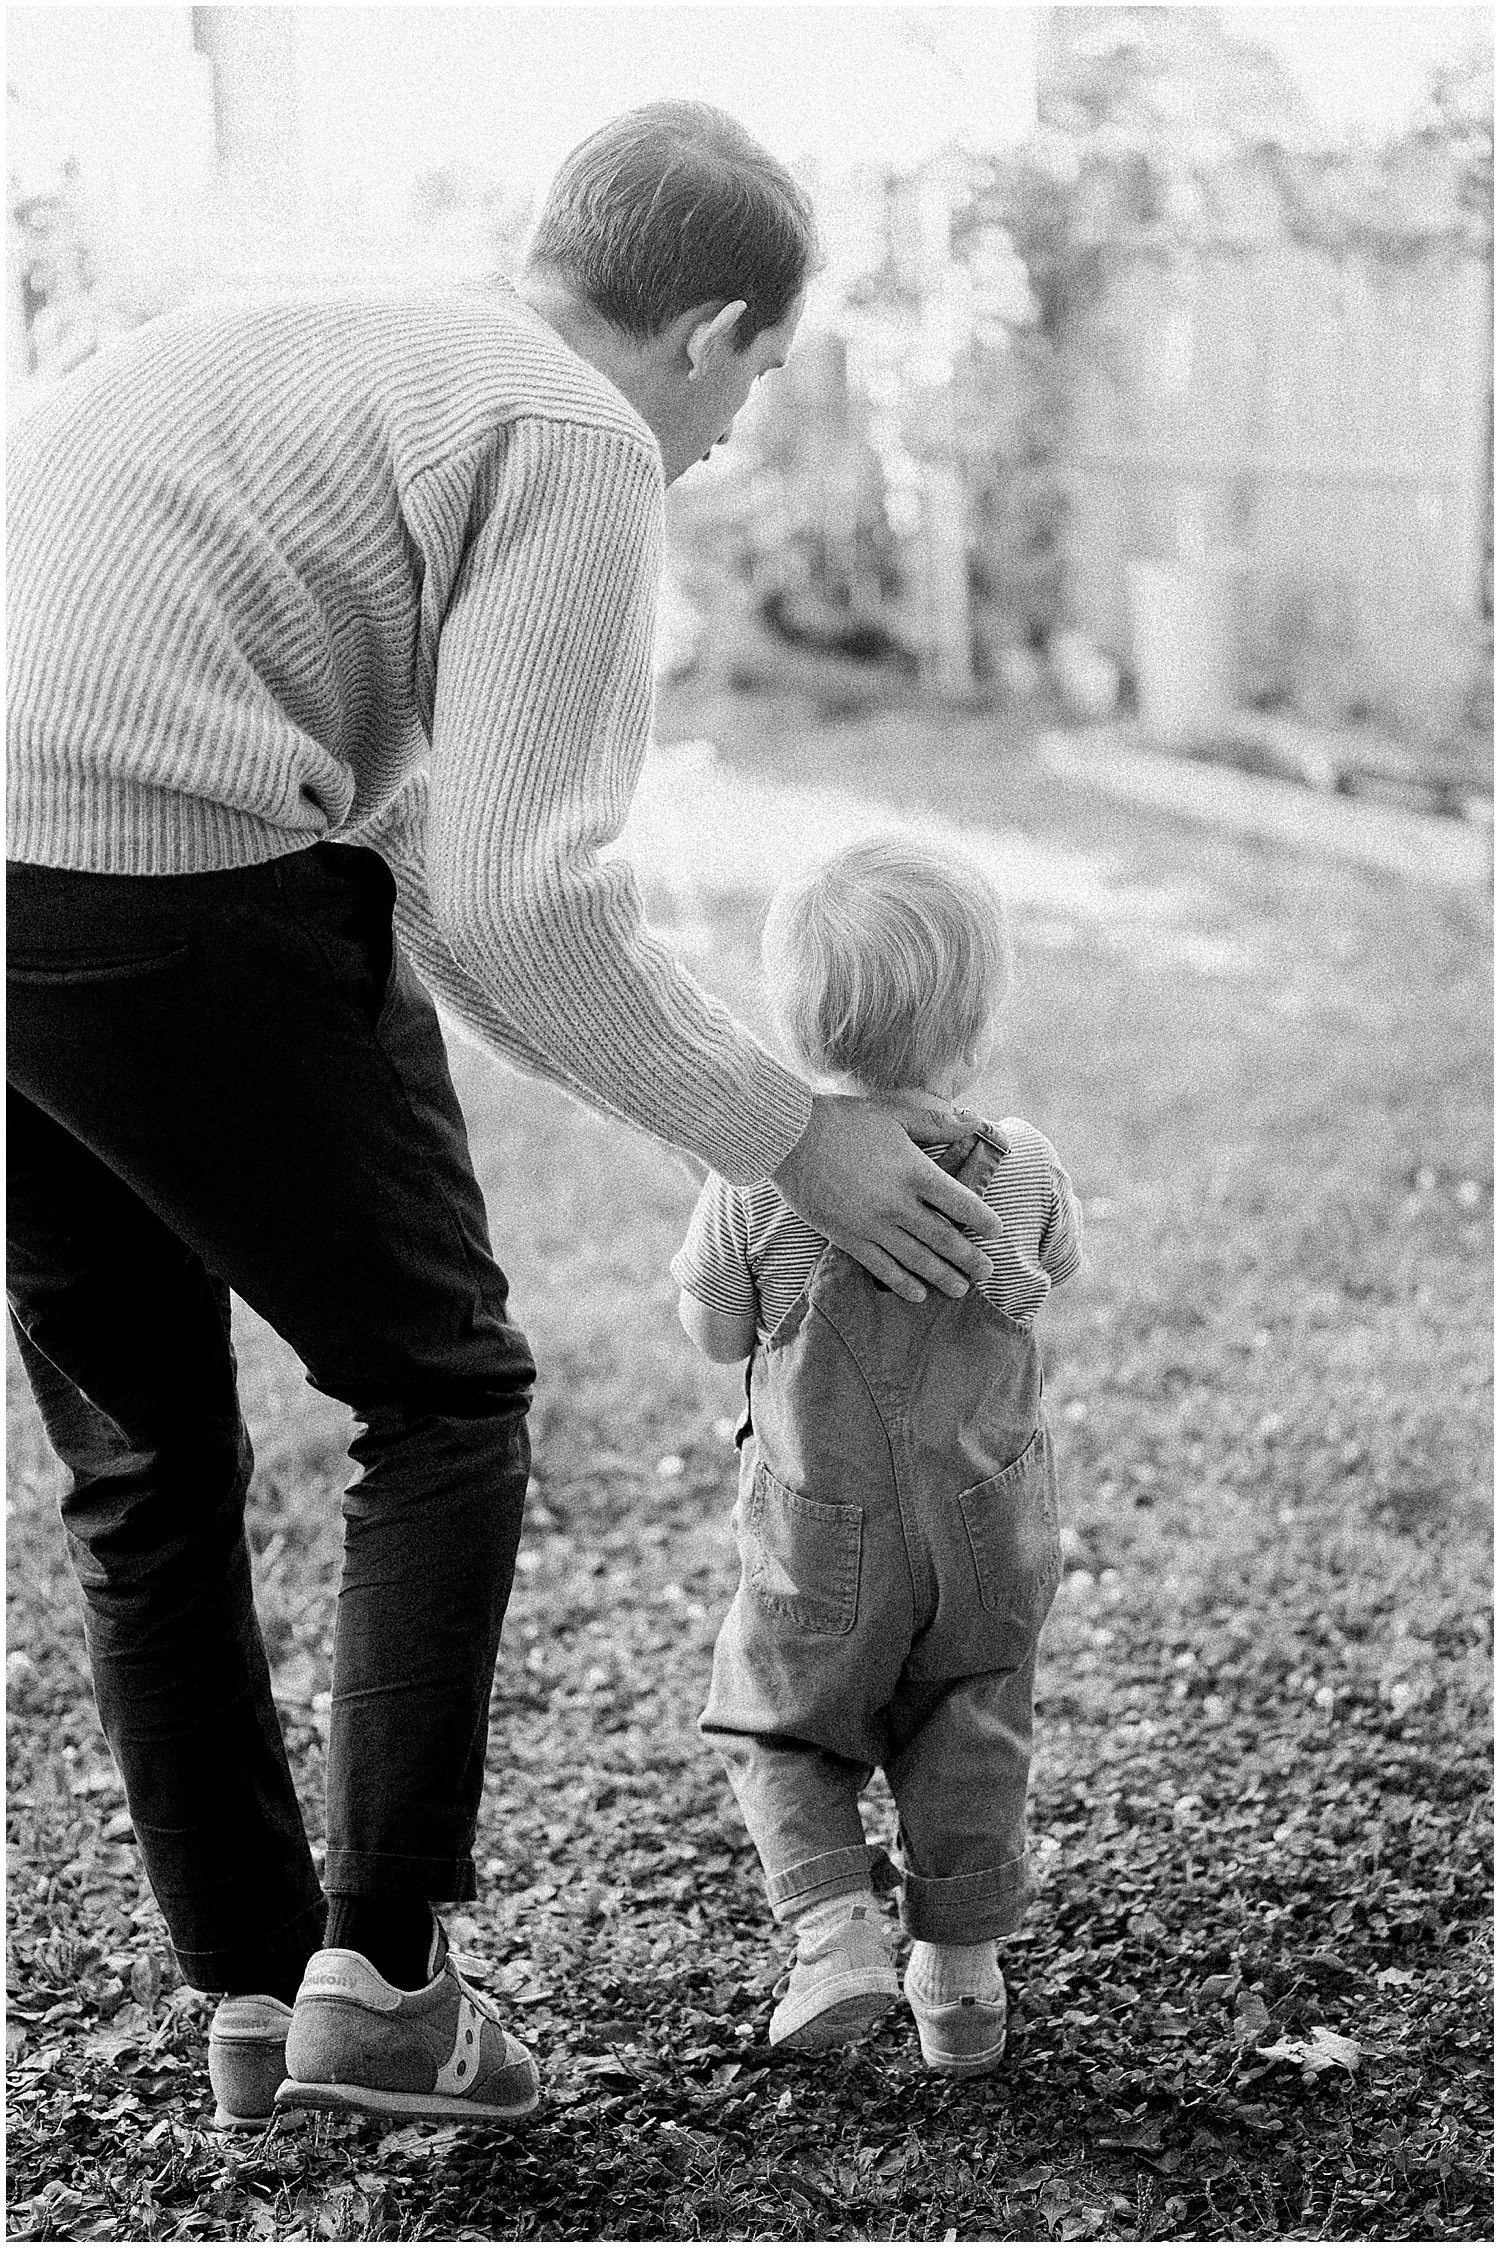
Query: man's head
[688,248]
[670,207]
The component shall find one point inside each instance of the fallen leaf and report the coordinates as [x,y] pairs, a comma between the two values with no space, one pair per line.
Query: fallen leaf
[1322,2048]
[1141,2136]
[1252,2017]
[1027,2181]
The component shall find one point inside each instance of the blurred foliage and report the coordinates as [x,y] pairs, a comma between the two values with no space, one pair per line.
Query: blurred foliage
[55,263]
[459,203]
[1159,133]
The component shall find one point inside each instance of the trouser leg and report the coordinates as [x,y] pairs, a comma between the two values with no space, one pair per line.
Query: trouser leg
[125,1339]
[958,1769]
[801,1810]
[249,1056]
[803,1664]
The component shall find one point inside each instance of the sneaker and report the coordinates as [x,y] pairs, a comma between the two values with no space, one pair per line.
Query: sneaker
[247,2060]
[838,1987]
[963,2037]
[359,2046]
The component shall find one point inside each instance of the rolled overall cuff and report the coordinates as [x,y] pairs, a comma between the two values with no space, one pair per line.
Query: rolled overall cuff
[829,1874]
[968,1908]
[384,1873]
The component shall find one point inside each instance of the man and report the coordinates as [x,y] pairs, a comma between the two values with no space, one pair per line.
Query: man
[284,580]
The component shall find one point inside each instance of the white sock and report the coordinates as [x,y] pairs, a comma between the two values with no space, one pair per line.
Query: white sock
[942,1974]
[818,1920]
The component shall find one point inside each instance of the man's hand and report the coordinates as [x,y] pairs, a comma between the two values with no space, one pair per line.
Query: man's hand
[857,1178]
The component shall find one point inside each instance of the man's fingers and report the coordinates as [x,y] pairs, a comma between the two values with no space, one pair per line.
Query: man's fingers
[923,1118]
[943,1192]
[935,1258]
[931,1238]
[885,1269]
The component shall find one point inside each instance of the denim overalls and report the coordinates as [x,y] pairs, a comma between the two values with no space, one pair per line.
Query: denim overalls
[898,1534]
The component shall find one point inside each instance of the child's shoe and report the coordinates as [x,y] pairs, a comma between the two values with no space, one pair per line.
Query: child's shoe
[841,1981]
[247,2060]
[359,2046]
[962,2031]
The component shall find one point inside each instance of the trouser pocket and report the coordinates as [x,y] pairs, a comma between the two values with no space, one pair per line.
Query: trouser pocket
[801,1556]
[1012,1528]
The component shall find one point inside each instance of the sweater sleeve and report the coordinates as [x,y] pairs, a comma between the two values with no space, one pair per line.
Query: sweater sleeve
[541,719]
[399,833]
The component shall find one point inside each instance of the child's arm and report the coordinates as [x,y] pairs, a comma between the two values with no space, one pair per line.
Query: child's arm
[720,1335]
[1061,1250]
[717,1305]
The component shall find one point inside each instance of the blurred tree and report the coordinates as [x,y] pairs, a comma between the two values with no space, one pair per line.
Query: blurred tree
[1460,120]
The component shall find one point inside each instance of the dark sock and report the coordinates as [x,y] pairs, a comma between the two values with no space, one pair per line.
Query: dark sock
[274,1980]
[275,1971]
[393,1933]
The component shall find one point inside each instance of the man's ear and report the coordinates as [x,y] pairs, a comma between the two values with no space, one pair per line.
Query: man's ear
[711,336]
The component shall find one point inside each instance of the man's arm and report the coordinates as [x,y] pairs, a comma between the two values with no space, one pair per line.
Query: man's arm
[845,1176]
[541,719]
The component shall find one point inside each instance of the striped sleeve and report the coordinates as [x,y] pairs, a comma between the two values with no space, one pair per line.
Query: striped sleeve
[541,719]
[713,1264]
[1060,1251]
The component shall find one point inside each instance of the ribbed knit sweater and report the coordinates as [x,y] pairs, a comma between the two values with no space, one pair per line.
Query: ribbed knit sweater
[385,571]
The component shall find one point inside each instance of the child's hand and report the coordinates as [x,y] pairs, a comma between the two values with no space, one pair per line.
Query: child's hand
[857,1178]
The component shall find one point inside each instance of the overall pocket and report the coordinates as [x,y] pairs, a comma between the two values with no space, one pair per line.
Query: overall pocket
[801,1556]
[1011,1520]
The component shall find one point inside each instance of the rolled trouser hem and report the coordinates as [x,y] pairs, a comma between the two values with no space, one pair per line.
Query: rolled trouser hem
[257,1957]
[966,1908]
[385,1873]
[829,1874]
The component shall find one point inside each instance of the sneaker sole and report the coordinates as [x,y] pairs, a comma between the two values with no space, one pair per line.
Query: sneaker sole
[837,2023]
[364,2099]
[963,2064]
[224,2121]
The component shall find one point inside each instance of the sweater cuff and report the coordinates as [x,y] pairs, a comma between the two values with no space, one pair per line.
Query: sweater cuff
[770,1111]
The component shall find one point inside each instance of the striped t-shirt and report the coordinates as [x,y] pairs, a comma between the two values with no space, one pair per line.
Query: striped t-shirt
[747,1253]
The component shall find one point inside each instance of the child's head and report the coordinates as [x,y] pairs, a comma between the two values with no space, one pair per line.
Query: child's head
[887,965]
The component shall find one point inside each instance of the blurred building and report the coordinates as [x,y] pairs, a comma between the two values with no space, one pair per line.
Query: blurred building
[1276,455]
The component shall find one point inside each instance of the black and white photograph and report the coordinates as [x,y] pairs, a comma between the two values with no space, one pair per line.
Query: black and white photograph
[749,1123]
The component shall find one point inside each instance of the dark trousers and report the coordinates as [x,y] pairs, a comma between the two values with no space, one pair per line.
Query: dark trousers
[234,1080]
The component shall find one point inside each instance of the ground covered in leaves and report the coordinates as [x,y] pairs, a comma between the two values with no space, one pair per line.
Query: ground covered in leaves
[1253,2000]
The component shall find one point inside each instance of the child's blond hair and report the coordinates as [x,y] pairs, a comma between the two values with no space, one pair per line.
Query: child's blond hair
[887,962]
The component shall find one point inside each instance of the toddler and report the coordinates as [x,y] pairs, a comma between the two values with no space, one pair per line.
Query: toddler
[897,1514]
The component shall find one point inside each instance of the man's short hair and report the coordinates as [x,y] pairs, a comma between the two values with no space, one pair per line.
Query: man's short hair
[886,962]
[671,206]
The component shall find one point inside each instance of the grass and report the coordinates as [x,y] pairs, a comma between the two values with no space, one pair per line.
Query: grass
[1260,1799]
